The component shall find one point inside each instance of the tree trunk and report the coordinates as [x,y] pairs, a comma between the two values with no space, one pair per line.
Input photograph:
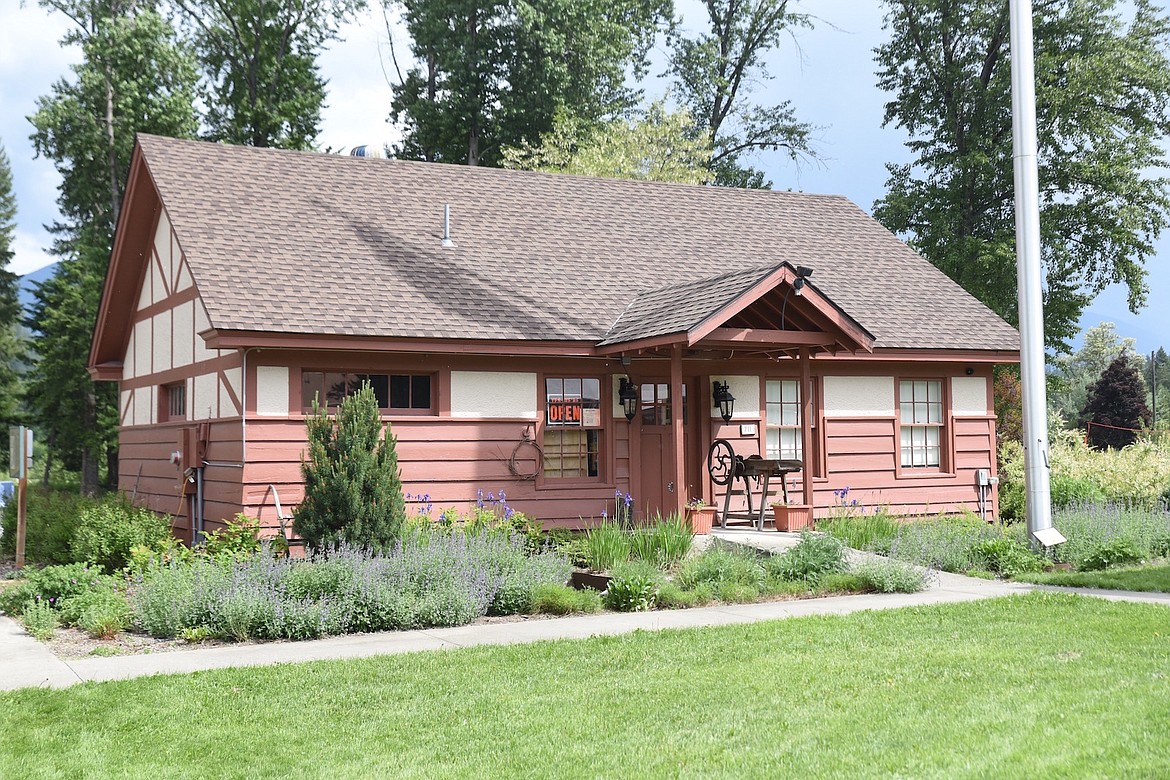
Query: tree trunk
[89,463]
[111,150]
[111,467]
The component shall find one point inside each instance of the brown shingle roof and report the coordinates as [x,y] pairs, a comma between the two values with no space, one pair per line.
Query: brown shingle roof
[311,243]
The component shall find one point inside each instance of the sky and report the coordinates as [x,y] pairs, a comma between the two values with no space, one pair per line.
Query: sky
[827,73]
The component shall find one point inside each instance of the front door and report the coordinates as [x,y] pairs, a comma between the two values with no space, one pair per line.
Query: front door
[656,449]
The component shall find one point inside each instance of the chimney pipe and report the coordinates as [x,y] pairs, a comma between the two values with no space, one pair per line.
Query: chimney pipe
[447,242]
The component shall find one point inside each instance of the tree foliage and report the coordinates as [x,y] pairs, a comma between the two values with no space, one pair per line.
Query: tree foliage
[716,72]
[12,346]
[492,74]
[1071,375]
[1116,406]
[1103,104]
[353,491]
[132,77]
[658,146]
[262,86]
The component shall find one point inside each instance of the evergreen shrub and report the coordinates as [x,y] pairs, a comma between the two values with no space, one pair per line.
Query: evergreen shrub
[353,489]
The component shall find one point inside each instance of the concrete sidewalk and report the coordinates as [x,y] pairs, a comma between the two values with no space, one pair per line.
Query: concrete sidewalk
[25,662]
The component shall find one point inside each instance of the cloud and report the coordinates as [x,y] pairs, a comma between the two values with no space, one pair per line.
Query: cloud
[30,252]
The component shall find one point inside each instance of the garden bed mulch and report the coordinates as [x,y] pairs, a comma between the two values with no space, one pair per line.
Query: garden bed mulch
[75,643]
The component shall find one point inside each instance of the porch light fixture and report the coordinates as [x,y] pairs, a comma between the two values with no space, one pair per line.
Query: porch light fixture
[724,400]
[802,273]
[628,395]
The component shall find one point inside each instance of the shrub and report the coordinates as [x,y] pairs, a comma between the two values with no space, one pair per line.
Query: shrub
[890,577]
[554,599]
[813,556]
[717,565]
[429,579]
[108,531]
[1118,551]
[49,524]
[1088,527]
[239,538]
[102,594]
[663,543]
[633,587]
[50,586]
[608,545]
[40,620]
[1072,491]
[1006,556]
[353,491]
[944,542]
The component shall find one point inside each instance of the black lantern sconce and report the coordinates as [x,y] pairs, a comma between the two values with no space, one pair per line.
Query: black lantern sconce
[628,395]
[724,400]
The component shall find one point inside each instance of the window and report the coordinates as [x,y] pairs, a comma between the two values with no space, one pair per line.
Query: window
[920,405]
[572,431]
[175,401]
[783,439]
[395,392]
[656,406]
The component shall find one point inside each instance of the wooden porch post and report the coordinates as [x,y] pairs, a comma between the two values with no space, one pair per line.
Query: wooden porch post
[806,418]
[676,428]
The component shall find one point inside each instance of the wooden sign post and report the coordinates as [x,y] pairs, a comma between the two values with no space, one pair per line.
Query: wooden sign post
[20,446]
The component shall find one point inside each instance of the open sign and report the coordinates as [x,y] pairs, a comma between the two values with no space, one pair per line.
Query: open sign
[564,411]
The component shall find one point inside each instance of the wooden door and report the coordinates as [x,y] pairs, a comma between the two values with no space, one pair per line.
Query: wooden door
[656,449]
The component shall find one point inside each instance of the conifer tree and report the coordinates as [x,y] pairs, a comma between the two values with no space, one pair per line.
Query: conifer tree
[1116,406]
[12,346]
[353,490]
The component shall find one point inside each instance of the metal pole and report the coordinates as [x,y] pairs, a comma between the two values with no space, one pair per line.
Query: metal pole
[1028,276]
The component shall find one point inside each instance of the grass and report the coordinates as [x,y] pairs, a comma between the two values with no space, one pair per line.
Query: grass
[1144,578]
[1046,685]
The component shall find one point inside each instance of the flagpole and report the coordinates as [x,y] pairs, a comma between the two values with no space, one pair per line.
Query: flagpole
[1028,276]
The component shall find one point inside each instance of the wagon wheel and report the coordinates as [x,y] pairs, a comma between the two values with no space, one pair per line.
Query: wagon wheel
[721,462]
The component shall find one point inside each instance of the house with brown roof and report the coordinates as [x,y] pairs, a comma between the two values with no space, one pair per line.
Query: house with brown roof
[559,338]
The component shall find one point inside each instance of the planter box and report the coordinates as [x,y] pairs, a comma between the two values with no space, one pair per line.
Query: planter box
[587,579]
[792,517]
[701,519]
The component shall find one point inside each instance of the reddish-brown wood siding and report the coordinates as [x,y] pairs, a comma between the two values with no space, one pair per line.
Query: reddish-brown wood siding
[449,460]
[146,474]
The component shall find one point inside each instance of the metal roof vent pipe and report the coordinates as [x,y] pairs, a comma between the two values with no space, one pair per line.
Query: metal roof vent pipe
[447,242]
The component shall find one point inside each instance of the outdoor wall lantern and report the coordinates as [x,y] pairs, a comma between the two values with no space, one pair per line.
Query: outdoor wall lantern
[802,273]
[628,395]
[724,400]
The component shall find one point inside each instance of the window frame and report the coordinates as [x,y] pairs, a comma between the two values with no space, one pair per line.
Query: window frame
[814,463]
[166,403]
[431,410]
[604,438]
[944,426]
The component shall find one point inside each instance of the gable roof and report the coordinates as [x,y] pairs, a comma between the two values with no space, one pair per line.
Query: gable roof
[307,243]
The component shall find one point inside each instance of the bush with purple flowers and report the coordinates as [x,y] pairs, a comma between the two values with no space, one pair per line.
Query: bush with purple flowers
[430,578]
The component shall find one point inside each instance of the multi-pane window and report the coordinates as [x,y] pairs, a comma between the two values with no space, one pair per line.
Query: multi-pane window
[176,401]
[395,392]
[656,406]
[572,431]
[920,405]
[783,440]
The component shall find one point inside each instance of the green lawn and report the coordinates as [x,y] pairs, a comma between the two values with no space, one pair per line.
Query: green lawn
[1146,578]
[1044,685]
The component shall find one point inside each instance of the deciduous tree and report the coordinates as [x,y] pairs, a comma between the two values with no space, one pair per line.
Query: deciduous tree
[658,146]
[1116,406]
[1071,375]
[491,74]
[716,72]
[1103,106]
